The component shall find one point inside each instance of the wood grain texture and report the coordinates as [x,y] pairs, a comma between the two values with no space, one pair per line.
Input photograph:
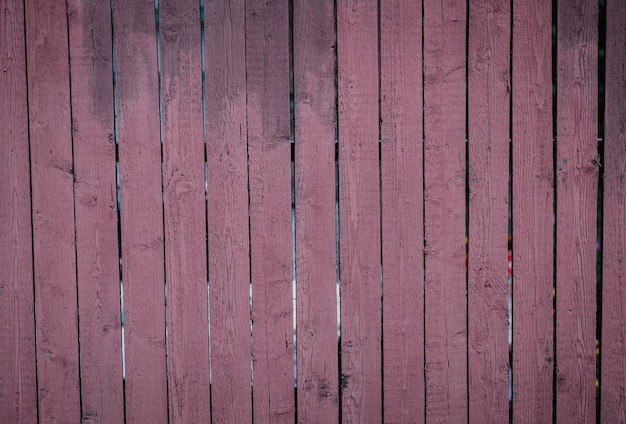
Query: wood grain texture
[444,208]
[141,210]
[316,261]
[613,343]
[184,212]
[96,211]
[229,249]
[18,385]
[269,163]
[576,193]
[533,195]
[359,211]
[53,212]
[488,106]
[402,211]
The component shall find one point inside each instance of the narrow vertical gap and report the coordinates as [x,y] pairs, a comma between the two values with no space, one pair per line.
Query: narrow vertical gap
[600,209]
[32,212]
[510,218]
[380,220]
[424,209]
[72,173]
[554,207]
[118,204]
[467,205]
[160,93]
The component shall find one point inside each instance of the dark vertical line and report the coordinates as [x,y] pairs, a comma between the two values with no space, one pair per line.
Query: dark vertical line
[380,220]
[555,204]
[118,204]
[467,205]
[32,226]
[424,208]
[510,218]
[73,175]
[340,376]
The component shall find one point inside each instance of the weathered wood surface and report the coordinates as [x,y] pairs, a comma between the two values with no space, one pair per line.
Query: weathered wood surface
[141,209]
[444,211]
[402,211]
[228,231]
[488,185]
[613,342]
[359,211]
[96,211]
[182,135]
[533,197]
[52,179]
[576,194]
[18,375]
[316,261]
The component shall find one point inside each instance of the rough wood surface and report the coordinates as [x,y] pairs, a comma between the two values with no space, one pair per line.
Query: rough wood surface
[488,106]
[613,343]
[402,211]
[444,208]
[533,194]
[269,164]
[53,212]
[184,212]
[316,261]
[359,211]
[18,387]
[96,211]
[229,266]
[576,194]
[141,209]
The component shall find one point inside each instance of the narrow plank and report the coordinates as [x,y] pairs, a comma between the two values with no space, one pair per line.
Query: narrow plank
[53,211]
[533,195]
[96,211]
[316,261]
[359,206]
[141,210]
[269,162]
[402,211]
[184,212]
[444,211]
[18,386]
[488,105]
[229,266]
[576,192]
[613,343]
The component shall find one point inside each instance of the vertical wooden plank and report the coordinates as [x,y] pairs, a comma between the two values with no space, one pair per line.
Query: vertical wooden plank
[444,209]
[269,150]
[576,185]
[18,386]
[229,266]
[613,343]
[141,210]
[402,210]
[533,191]
[53,211]
[316,272]
[359,206]
[96,211]
[488,149]
[184,212]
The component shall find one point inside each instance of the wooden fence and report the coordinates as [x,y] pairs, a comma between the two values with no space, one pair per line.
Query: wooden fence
[173,177]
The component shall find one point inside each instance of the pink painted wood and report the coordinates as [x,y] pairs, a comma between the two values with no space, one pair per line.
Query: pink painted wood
[533,194]
[269,163]
[18,388]
[316,261]
[229,266]
[576,193]
[96,211]
[359,210]
[613,343]
[402,211]
[53,212]
[444,208]
[184,212]
[141,210]
[488,105]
